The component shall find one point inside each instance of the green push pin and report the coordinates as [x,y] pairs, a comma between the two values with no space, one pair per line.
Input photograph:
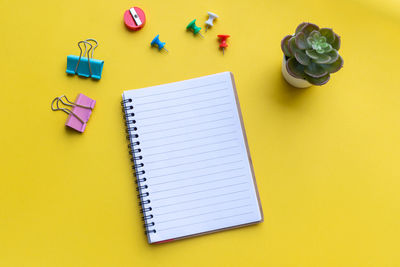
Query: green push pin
[192,26]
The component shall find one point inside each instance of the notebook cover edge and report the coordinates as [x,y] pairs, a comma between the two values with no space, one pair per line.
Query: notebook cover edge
[247,145]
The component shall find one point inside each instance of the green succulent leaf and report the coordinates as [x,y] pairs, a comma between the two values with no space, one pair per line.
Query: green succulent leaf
[301,41]
[322,59]
[292,45]
[336,42]
[334,56]
[315,34]
[309,28]
[329,34]
[315,70]
[328,48]
[300,27]
[318,81]
[285,46]
[294,68]
[302,58]
[312,53]
[313,37]
[334,67]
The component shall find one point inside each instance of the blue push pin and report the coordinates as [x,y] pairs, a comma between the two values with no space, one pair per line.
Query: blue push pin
[156,42]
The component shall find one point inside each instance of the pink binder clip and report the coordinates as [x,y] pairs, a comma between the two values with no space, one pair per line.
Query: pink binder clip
[80,113]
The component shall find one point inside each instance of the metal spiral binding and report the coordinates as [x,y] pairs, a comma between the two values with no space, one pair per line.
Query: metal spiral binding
[138,167]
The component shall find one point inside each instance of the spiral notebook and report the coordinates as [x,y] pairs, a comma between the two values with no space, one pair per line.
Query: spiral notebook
[191,158]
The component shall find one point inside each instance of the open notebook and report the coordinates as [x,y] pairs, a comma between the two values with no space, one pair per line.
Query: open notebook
[191,158]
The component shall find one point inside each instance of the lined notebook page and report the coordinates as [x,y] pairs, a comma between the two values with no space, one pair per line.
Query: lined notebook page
[198,170]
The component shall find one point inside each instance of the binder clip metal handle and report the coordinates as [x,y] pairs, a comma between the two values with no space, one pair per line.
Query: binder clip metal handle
[84,53]
[85,65]
[55,106]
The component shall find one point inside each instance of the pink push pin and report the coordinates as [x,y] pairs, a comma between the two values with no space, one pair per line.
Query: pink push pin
[80,113]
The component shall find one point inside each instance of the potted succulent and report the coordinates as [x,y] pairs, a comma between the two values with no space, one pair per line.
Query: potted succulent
[310,55]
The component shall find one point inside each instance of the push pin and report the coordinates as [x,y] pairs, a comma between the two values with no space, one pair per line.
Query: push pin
[222,40]
[156,42]
[192,26]
[209,22]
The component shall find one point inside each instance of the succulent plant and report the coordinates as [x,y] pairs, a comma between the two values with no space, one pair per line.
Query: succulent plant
[312,53]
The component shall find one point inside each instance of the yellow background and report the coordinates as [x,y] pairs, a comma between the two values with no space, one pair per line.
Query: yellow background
[326,158]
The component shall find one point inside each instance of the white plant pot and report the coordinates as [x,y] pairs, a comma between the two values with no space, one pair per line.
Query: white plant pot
[296,82]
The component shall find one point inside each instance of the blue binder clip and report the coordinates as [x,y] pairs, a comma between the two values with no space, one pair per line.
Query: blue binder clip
[85,66]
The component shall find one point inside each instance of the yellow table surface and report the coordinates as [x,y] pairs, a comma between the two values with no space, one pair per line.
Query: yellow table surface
[326,158]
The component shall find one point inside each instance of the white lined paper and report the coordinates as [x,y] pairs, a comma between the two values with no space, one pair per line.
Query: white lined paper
[197,169]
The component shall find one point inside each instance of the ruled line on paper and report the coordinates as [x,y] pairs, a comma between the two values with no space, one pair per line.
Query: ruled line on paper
[221,218]
[189,155]
[187,103]
[175,98]
[187,133]
[183,111]
[188,125]
[186,163]
[210,166]
[200,191]
[198,199]
[190,140]
[186,118]
[197,176]
[203,206]
[201,214]
[232,216]
[186,148]
[189,88]
[208,182]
